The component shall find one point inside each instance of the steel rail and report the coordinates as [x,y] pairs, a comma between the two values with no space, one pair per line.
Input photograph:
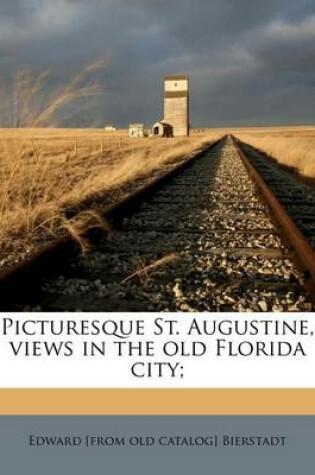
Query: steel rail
[303,252]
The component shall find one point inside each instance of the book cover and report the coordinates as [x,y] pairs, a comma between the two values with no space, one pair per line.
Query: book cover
[157,237]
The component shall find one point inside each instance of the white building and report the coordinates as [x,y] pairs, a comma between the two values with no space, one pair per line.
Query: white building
[136,130]
[162,129]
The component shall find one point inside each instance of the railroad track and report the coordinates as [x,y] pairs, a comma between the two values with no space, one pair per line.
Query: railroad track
[200,239]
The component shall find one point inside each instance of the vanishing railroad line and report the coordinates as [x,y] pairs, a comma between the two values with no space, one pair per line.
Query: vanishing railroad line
[200,239]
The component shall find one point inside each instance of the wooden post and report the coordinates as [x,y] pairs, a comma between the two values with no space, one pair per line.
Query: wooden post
[34,151]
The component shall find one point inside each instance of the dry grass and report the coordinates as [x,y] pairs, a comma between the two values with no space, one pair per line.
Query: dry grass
[144,270]
[28,101]
[82,222]
[42,171]
[290,146]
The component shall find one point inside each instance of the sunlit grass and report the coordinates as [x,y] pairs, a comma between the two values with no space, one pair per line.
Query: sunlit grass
[45,171]
[293,147]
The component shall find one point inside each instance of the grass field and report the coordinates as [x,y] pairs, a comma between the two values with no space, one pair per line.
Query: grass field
[45,170]
[290,146]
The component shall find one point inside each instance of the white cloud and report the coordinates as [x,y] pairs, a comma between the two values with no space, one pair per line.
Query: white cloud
[292,32]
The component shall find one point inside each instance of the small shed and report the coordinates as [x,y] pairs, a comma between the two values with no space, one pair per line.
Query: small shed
[162,129]
[136,130]
[110,128]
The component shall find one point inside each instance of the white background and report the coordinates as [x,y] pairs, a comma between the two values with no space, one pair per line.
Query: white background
[110,371]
